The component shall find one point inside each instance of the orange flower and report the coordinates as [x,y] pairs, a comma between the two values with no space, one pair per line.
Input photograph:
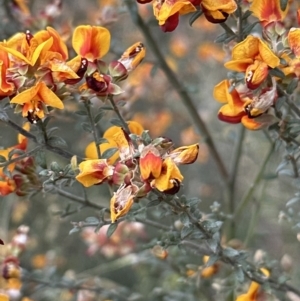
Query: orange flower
[26,47]
[170,178]
[209,271]
[34,101]
[167,12]
[253,57]
[217,11]
[94,172]
[268,11]
[121,202]
[7,184]
[6,88]
[150,162]
[236,110]
[91,42]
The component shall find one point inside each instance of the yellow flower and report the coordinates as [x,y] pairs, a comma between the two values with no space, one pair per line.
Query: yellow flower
[94,172]
[169,179]
[91,151]
[217,11]
[91,42]
[35,100]
[253,57]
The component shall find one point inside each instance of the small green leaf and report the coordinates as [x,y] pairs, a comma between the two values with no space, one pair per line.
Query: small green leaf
[153,70]
[92,220]
[57,141]
[277,72]
[153,203]
[99,116]
[110,108]
[283,4]
[111,229]
[117,122]
[249,28]
[81,113]
[102,140]
[109,153]
[239,274]
[292,86]
[74,230]
[86,127]
[212,260]
[221,38]
[184,218]
[247,14]
[186,231]
[292,201]
[2,159]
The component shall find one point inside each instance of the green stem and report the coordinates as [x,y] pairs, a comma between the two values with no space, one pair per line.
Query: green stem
[87,105]
[20,157]
[117,111]
[232,181]
[186,99]
[251,190]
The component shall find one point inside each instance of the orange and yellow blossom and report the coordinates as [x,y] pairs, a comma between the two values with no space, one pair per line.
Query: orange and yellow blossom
[292,63]
[91,42]
[167,12]
[170,178]
[253,57]
[7,184]
[236,110]
[217,11]
[94,172]
[35,100]
[6,87]
[91,151]
[268,11]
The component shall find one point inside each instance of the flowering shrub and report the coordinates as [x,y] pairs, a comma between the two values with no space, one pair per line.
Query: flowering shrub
[134,184]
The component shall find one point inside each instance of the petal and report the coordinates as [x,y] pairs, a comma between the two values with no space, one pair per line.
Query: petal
[93,172]
[91,150]
[91,42]
[268,10]
[220,91]
[169,173]
[169,8]
[256,74]
[150,163]
[48,96]
[239,65]
[267,55]
[294,40]
[246,49]
[25,96]
[251,123]
[227,6]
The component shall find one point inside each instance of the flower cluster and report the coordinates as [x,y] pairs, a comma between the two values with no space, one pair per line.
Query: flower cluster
[122,241]
[35,69]
[10,266]
[139,167]
[167,12]
[18,176]
[256,61]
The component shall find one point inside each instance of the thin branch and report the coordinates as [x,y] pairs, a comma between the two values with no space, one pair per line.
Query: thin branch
[94,129]
[53,149]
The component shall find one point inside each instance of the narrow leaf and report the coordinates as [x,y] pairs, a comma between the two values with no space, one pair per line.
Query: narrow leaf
[109,153]
[111,229]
